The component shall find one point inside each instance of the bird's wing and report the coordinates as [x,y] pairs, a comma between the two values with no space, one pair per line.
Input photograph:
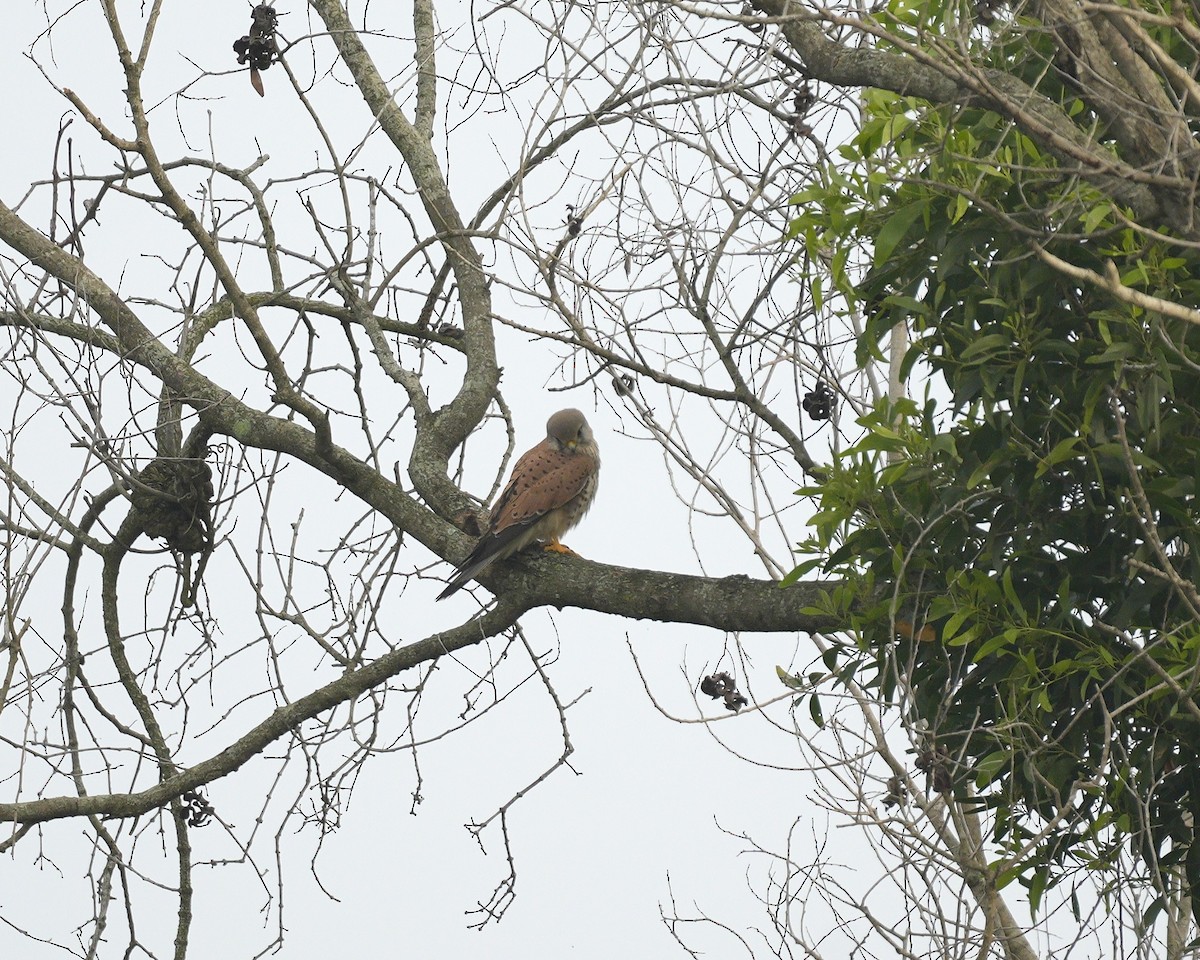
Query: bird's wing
[543,480]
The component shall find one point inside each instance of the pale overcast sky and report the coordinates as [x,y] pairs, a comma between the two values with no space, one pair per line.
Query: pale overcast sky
[658,808]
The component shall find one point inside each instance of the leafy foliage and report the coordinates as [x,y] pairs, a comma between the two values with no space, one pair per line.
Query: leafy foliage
[1024,562]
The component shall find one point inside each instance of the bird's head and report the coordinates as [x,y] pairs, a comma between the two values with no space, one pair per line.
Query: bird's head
[569,429]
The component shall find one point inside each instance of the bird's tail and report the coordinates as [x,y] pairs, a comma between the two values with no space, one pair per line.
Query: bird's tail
[466,573]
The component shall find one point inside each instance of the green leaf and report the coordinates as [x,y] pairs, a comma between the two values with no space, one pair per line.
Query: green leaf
[954,624]
[1120,350]
[1037,886]
[790,680]
[895,229]
[987,347]
[1063,450]
[814,711]
[961,205]
[1096,216]
[805,567]
[987,768]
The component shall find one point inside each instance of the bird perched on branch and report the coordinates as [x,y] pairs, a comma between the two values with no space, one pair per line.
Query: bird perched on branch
[550,490]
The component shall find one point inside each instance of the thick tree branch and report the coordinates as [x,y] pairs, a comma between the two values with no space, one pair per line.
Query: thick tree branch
[737,603]
[435,441]
[919,73]
[282,722]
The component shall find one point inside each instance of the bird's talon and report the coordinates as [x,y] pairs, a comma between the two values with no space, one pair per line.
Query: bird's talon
[562,548]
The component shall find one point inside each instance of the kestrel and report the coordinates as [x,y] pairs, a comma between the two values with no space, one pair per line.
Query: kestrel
[550,490]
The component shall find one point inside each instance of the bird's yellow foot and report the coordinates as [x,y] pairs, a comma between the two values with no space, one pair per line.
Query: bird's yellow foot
[555,547]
